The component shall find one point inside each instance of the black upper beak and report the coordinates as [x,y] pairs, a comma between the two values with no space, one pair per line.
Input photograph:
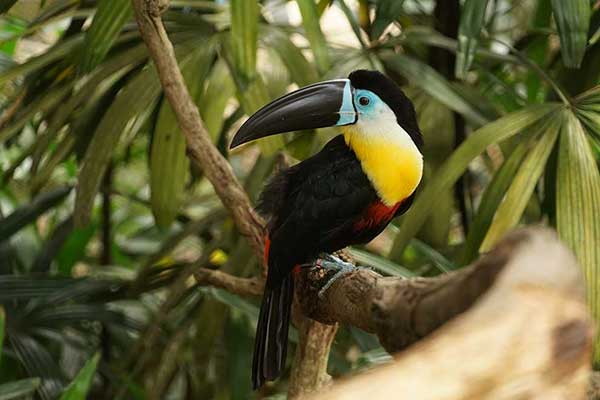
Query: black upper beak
[316,106]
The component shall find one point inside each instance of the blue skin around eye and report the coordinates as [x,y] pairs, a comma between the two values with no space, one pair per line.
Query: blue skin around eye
[370,110]
[347,110]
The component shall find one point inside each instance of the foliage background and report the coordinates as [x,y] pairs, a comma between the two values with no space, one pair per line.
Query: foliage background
[103,216]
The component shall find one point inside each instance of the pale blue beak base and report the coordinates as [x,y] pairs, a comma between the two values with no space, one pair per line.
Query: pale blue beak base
[347,112]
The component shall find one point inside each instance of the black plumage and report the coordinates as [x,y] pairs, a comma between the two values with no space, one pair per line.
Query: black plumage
[311,208]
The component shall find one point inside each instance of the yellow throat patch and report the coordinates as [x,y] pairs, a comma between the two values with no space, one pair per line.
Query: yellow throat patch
[391,161]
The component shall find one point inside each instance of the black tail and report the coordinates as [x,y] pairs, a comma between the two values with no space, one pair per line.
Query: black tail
[270,344]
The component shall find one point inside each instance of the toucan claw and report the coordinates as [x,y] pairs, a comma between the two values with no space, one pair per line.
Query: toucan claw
[331,262]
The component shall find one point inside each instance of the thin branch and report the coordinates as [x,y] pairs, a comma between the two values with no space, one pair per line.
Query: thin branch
[240,286]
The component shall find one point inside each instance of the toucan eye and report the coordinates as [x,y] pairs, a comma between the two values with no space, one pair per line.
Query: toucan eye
[364,101]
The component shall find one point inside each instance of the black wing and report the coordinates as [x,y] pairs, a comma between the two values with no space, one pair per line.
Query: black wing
[311,205]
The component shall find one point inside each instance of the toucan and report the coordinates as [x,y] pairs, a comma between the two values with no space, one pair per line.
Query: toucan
[345,194]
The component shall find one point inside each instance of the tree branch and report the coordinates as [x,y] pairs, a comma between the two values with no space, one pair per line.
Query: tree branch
[402,311]
[525,332]
[240,286]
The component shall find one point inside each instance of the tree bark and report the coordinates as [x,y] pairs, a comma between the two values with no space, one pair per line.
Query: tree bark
[526,332]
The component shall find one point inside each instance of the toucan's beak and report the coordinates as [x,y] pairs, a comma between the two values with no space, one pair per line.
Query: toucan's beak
[316,106]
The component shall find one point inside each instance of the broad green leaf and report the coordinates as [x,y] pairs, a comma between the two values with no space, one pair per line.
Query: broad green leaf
[5,5]
[578,208]
[424,35]
[87,90]
[79,388]
[301,71]
[28,213]
[365,258]
[512,207]
[110,17]
[475,144]
[573,20]
[135,101]
[386,12]
[318,44]
[491,199]
[252,98]
[471,22]
[169,164]
[244,36]
[425,77]
[21,389]
[220,88]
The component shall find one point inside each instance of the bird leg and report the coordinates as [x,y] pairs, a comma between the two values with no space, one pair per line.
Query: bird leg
[331,262]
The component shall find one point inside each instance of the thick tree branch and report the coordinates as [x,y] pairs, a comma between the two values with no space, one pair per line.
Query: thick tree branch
[525,332]
[200,147]
[402,311]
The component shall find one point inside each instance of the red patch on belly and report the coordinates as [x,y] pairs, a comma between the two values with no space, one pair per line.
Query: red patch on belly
[376,214]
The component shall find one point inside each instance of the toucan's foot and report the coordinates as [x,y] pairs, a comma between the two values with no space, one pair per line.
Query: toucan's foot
[331,262]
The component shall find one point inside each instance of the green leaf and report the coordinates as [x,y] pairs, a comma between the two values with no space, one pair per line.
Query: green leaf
[110,17]
[386,12]
[595,37]
[220,88]
[80,386]
[169,164]
[522,187]
[573,20]
[26,214]
[20,389]
[57,52]
[491,199]
[244,36]
[318,44]
[379,263]
[43,103]
[133,103]
[74,248]
[301,71]
[252,98]
[428,79]
[439,261]
[353,22]
[5,5]
[578,208]
[471,23]
[454,167]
